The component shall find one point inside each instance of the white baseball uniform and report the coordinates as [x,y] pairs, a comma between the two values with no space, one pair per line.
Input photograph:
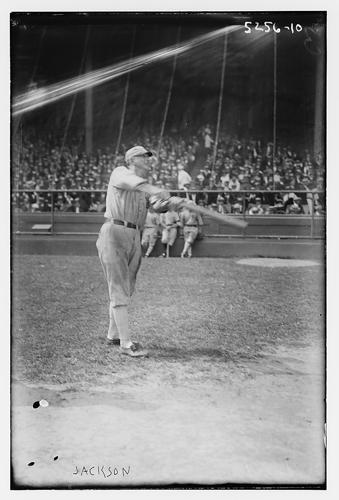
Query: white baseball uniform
[190,222]
[118,244]
[169,222]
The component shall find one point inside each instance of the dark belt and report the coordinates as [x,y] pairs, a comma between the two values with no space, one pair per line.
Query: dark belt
[191,225]
[123,223]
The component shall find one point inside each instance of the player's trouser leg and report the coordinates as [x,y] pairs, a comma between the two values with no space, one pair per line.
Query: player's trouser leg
[186,244]
[191,239]
[152,241]
[145,240]
[150,249]
[121,321]
[119,251]
[134,261]
[185,249]
[190,235]
[164,241]
[171,240]
[113,332]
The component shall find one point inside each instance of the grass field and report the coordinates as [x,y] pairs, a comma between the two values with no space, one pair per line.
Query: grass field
[204,315]
[239,339]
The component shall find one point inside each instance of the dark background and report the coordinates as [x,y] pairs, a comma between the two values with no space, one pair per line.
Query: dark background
[47,48]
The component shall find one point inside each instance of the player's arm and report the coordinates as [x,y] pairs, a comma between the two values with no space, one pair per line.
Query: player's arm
[123,178]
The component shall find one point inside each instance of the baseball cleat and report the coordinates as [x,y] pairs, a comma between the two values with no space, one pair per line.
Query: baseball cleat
[135,350]
[112,341]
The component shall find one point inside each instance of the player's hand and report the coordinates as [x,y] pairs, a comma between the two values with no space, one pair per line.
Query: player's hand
[160,201]
[175,202]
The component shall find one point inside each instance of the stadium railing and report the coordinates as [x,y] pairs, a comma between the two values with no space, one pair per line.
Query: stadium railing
[49,198]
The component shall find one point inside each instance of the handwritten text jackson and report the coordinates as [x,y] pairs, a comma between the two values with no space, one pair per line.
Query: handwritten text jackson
[101,470]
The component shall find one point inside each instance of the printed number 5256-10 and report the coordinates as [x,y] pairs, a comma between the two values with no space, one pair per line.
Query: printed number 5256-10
[268,25]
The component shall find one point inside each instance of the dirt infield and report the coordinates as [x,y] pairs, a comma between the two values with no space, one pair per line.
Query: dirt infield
[209,407]
[265,428]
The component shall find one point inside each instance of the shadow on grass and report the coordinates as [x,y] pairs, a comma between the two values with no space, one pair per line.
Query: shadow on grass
[179,353]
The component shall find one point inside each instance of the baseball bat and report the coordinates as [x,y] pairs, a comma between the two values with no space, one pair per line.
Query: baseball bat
[223,218]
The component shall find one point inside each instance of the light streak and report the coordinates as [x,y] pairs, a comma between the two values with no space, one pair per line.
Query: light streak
[34,99]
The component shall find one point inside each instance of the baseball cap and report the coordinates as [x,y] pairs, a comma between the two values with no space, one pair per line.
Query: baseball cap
[137,151]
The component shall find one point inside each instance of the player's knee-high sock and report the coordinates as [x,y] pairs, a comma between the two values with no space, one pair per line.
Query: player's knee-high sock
[189,250]
[167,250]
[150,249]
[121,320]
[112,329]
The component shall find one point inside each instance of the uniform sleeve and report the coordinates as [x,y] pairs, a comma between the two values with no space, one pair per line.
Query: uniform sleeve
[123,178]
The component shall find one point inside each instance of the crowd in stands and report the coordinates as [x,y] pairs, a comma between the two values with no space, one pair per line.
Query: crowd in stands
[239,169]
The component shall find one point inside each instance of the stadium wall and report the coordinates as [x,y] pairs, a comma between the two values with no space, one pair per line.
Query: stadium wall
[75,234]
[258,226]
[208,247]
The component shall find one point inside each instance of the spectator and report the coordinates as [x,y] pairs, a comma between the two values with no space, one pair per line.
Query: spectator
[39,162]
[200,180]
[237,207]
[295,207]
[208,141]
[257,209]
[184,178]
[278,205]
[234,184]
[222,208]
[225,177]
